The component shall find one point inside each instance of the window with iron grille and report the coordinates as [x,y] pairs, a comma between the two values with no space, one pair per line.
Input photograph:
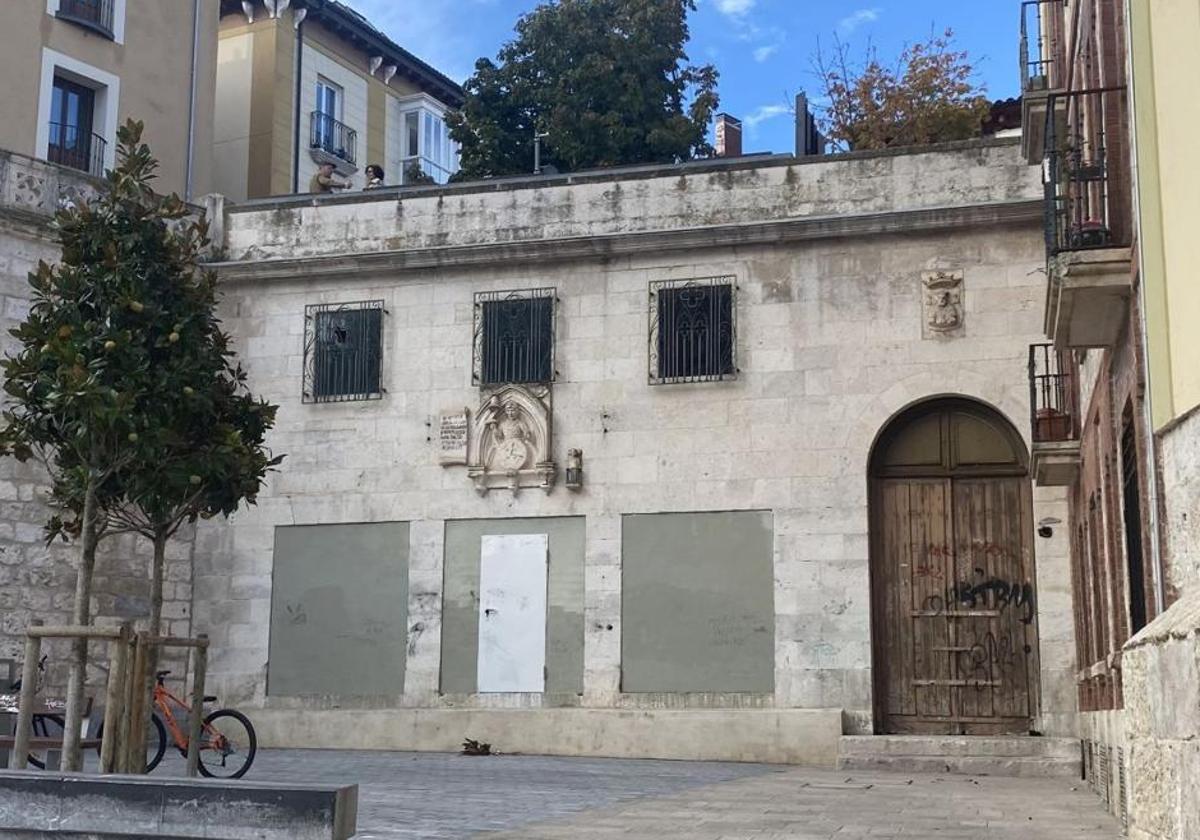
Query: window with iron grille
[514,337]
[343,351]
[692,330]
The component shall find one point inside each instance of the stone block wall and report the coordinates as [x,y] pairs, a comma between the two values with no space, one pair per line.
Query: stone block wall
[831,343]
[1162,724]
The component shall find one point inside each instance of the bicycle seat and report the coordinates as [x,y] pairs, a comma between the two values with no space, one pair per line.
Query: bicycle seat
[160,675]
[210,698]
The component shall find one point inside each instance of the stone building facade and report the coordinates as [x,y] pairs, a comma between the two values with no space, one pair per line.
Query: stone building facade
[712,581]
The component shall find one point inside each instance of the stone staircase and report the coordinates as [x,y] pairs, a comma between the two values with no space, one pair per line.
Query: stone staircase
[977,756]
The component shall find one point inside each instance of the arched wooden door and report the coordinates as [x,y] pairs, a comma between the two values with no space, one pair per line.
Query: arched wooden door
[953,604]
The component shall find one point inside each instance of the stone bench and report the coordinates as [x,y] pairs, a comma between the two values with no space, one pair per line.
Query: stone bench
[42,804]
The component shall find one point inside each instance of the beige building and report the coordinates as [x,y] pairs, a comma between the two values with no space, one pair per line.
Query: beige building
[75,70]
[311,81]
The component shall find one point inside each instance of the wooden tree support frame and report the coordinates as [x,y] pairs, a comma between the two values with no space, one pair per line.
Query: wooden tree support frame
[126,709]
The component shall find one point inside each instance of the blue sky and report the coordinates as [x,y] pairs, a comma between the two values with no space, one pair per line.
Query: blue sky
[763,48]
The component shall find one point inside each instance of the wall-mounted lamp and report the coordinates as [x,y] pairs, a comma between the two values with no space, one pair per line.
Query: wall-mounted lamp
[574,469]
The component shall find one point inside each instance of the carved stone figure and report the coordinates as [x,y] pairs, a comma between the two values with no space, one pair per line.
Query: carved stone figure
[943,302]
[510,440]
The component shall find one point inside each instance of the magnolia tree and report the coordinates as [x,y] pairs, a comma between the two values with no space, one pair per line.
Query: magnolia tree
[123,384]
[928,96]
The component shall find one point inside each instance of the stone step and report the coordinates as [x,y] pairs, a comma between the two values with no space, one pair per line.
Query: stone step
[963,745]
[1012,756]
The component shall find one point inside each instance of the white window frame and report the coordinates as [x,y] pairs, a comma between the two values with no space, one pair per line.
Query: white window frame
[339,97]
[426,106]
[105,110]
[118,17]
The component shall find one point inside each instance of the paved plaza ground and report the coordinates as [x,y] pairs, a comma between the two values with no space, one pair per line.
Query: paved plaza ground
[404,796]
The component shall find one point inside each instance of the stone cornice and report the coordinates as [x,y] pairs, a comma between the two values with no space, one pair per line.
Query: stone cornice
[625,244]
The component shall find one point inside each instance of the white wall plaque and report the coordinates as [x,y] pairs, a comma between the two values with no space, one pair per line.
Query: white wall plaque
[512,613]
[453,436]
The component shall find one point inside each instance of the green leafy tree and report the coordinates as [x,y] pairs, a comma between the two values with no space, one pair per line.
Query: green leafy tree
[606,81]
[928,96]
[122,384]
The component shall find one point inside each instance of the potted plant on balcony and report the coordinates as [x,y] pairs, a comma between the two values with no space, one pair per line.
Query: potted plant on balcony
[1052,424]
[1090,233]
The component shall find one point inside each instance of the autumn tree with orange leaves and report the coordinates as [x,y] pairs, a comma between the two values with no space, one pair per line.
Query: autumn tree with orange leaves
[928,96]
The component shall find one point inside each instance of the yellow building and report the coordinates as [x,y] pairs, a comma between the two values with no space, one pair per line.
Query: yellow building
[312,81]
[74,70]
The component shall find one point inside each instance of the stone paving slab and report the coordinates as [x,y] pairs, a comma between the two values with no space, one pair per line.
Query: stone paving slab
[404,796]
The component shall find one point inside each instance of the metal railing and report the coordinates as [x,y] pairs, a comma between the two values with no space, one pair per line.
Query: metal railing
[333,137]
[1039,68]
[421,170]
[343,351]
[94,14]
[77,149]
[1053,394]
[1082,210]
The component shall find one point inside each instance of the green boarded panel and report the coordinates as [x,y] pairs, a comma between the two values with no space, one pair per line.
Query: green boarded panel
[339,610]
[698,604]
[564,616]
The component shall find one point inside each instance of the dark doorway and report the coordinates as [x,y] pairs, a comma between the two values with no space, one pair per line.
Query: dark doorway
[1132,496]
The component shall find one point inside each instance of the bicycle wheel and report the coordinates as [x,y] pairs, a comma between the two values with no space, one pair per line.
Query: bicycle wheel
[156,742]
[45,726]
[227,745]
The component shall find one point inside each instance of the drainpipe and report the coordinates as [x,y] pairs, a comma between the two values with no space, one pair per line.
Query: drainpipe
[191,134]
[300,14]
[1151,466]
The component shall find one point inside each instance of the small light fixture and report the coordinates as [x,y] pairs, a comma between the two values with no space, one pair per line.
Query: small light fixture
[574,469]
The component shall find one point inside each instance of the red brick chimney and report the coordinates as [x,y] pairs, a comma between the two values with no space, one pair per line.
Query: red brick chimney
[729,136]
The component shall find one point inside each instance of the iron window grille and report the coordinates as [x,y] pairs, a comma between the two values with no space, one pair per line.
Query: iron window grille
[343,351]
[514,337]
[693,331]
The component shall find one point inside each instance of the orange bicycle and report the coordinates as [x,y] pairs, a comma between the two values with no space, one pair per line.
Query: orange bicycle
[227,748]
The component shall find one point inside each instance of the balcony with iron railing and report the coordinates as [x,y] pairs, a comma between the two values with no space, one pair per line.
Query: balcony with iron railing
[332,141]
[1088,226]
[77,149]
[96,15]
[1054,415]
[1042,60]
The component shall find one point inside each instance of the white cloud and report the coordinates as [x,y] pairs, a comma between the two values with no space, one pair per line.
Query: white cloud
[763,113]
[735,8]
[852,21]
[761,54]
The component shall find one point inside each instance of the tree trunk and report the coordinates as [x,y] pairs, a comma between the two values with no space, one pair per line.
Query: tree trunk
[80,616]
[146,706]
[157,570]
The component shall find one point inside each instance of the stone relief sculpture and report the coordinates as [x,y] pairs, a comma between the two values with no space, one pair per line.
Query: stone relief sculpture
[943,302]
[509,445]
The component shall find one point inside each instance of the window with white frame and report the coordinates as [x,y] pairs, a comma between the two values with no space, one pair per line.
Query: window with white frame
[77,114]
[104,17]
[427,154]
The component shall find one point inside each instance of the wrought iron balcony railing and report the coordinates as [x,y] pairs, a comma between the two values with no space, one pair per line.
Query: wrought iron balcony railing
[1084,150]
[1041,20]
[333,137]
[1053,394]
[96,15]
[77,149]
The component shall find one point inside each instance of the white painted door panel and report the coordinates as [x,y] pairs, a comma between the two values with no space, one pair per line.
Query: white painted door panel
[512,613]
